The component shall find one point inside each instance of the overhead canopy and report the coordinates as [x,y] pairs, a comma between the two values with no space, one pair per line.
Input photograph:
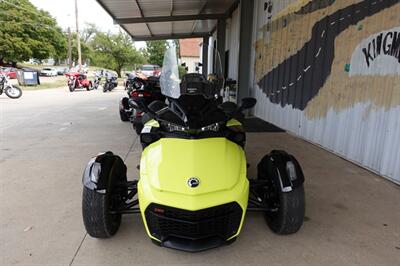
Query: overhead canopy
[168,19]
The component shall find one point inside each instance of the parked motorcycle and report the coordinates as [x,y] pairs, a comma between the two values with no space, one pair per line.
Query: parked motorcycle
[131,79]
[78,80]
[96,80]
[142,90]
[111,82]
[193,192]
[12,91]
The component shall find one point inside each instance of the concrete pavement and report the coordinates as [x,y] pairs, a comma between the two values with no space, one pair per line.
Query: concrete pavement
[46,138]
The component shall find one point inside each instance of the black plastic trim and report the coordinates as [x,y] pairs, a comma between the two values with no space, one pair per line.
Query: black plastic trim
[273,165]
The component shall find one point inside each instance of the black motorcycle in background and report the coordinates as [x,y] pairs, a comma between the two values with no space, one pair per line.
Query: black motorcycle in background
[12,91]
[141,91]
[130,82]
[110,83]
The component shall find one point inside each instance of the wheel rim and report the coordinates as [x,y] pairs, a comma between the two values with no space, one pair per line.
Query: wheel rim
[13,91]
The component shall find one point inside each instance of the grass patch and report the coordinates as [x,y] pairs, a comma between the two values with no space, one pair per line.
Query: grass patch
[47,85]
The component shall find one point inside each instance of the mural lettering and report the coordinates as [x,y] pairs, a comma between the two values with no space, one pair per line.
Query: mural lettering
[388,45]
[379,54]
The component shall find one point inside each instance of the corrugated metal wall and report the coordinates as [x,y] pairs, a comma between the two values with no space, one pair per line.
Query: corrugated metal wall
[232,44]
[329,71]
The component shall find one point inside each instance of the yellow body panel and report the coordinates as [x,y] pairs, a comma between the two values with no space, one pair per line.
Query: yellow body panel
[167,164]
[233,122]
[152,123]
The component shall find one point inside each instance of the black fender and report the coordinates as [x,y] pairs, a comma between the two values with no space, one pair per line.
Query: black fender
[103,172]
[283,167]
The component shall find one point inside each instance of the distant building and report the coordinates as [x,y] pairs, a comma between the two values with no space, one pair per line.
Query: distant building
[189,53]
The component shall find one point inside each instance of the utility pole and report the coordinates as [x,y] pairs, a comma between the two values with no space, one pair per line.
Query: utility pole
[78,36]
[69,49]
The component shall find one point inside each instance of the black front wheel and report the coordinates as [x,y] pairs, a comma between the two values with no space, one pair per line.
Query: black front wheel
[104,193]
[98,220]
[290,212]
[286,203]
[14,92]
[71,88]
[123,115]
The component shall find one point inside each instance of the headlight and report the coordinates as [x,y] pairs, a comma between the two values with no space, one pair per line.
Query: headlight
[173,127]
[213,127]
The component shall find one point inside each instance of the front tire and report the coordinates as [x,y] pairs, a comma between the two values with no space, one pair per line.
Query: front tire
[98,221]
[124,116]
[287,207]
[290,215]
[13,92]
[90,87]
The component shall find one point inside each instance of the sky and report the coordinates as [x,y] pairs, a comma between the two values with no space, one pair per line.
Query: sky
[89,11]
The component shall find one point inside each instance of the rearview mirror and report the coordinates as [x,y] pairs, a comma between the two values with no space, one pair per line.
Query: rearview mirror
[248,103]
[229,108]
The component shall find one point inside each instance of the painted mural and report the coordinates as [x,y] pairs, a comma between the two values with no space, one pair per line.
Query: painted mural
[299,50]
[329,72]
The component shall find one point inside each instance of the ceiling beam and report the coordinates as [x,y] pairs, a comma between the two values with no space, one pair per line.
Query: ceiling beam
[168,18]
[200,11]
[172,8]
[170,14]
[112,16]
[171,36]
[141,13]
[232,8]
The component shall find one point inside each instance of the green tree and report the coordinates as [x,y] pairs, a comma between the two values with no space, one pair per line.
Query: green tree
[115,51]
[89,32]
[155,51]
[27,32]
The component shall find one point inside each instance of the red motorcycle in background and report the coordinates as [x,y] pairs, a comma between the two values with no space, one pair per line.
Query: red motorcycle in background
[78,80]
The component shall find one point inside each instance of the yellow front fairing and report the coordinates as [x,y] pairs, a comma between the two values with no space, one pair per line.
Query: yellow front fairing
[168,164]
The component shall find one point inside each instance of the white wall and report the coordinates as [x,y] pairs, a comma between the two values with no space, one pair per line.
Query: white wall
[232,43]
[191,63]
